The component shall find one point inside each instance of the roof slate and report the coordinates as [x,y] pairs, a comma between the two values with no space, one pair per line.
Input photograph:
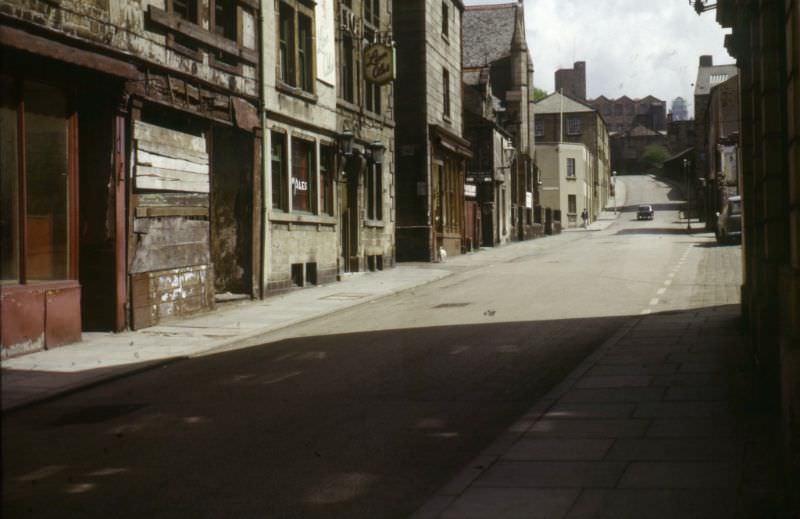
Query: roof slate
[487,33]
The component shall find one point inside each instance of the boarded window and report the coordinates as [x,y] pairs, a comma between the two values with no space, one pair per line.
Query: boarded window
[572,204]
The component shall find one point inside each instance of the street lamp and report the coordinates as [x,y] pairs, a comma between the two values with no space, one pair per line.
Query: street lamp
[700,6]
[377,148]
[686,163]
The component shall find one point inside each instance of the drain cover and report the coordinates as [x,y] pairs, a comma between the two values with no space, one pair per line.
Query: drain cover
[451,305]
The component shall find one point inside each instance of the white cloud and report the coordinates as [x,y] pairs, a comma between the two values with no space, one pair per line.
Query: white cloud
[631,47]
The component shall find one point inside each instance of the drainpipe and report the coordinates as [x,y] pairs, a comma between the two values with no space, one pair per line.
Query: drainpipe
[265,138]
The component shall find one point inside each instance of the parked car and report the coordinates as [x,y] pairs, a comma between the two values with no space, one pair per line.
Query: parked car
[645,212]
[729,221]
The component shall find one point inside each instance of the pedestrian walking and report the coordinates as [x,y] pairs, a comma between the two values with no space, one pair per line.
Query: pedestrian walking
[585,217]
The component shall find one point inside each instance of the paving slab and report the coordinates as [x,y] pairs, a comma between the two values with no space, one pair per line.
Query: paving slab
[512,503]
[552,474]
[654,504]
[672,474]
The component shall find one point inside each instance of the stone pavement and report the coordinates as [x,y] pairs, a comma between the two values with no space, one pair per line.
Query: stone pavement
[657,423]
[103,356]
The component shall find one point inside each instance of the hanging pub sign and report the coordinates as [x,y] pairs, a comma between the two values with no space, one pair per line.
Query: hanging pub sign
[379,63]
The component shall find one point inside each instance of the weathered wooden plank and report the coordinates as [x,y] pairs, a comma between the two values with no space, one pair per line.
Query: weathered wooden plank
[150,132]
[176,231]
[165,150]
[170,174]
[153,181]
[147,159]
[172,200]
[151,212]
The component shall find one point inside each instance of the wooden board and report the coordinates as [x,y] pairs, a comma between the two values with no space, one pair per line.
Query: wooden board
[156,134]
[171,200]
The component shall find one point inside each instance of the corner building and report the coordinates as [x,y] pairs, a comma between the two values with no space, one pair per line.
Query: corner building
[432,154]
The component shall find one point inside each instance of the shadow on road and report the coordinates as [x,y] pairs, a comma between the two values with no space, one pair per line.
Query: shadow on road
[358,425]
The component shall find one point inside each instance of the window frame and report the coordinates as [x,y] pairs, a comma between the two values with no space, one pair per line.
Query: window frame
[446,108]
[571,168]
[374,191]
[311,175]
[282,191]
[17,99]
[538,128]
[445,21]
[290,72]
[372,92]
[574,126]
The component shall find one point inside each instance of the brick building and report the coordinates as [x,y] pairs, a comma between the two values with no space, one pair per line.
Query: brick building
[128,119]
[572,81]
[624,113]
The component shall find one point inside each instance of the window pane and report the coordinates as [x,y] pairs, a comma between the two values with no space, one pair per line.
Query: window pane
[326,179]
[9,184]
[46,130]
[304,52]
[303,167]
[278,171]
[286,50]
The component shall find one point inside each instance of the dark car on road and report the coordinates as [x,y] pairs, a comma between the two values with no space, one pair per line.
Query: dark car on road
[645,212]
[729,220]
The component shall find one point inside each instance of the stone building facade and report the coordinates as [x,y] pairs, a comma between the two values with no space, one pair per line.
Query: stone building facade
[432,154]
[722,147]
[562,119]
[489,170]
[567,173]
[143,109]
[765,41]
[301,242]
[494,40]
[365,114]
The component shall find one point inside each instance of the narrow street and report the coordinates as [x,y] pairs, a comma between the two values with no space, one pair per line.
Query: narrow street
[366,413]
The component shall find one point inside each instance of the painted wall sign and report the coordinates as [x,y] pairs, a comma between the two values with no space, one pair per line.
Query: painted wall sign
[529,200]
[379,63]
[470,190]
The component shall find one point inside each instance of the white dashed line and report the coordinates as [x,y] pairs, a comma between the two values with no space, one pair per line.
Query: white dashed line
[668,282]
[661,291]
[646,311]
[654,301]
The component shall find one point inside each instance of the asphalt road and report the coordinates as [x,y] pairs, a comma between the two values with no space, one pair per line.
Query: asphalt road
[363,414]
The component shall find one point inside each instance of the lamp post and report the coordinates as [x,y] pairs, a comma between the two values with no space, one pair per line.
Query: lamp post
[614,185]
[686,163]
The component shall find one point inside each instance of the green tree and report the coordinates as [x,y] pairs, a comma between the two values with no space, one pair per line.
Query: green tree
[654,156]
[538,94]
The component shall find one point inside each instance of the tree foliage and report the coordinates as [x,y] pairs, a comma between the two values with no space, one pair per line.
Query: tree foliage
[654,156]
[538,94]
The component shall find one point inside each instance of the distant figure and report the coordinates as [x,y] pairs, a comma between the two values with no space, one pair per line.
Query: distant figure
[585,217]
[442,254]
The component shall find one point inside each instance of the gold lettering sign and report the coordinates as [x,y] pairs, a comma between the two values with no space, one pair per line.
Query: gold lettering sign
[379,63]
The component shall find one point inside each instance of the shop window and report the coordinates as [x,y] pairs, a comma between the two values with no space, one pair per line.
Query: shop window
[36,231]
[295,45]
[326,173]
[279,171]
[303,182]
[570,168]
[375,192]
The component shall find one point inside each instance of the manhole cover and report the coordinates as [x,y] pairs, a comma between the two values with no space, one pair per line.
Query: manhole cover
[344,297]
[96,414]
[451,305]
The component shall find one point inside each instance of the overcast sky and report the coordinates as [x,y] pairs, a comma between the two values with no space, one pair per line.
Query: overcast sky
[631,47]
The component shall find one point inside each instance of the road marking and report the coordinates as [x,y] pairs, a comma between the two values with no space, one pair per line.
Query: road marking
[654,301]
[671,274]
[661,291]
[668,282]
[647,311]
